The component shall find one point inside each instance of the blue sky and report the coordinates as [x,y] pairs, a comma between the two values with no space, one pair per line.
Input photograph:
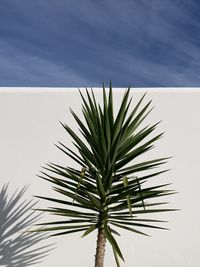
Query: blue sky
[144,43]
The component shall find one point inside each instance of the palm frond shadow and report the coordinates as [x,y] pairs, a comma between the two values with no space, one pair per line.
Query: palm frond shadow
[18,247]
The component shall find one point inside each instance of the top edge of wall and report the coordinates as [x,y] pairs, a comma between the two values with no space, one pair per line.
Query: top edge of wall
[71,89]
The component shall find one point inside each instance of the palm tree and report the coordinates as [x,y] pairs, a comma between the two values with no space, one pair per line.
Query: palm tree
[107,189]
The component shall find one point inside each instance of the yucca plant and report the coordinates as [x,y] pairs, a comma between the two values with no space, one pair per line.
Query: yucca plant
[107,190]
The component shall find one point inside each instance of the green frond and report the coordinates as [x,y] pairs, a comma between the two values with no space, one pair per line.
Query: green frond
[113,243]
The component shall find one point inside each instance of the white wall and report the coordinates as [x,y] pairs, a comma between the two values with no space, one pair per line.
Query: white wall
[29,123]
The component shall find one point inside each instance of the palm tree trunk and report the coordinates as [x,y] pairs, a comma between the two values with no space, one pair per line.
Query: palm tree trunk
[100,250]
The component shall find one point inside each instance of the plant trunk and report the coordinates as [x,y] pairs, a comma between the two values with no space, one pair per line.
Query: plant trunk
[100,250]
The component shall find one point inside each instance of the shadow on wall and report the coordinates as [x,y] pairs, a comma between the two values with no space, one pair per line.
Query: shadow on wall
[18,248]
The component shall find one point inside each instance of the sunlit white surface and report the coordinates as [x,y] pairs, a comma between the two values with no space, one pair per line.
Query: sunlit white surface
[30,127]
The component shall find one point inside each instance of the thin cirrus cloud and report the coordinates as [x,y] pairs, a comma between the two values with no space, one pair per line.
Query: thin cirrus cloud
[81,43]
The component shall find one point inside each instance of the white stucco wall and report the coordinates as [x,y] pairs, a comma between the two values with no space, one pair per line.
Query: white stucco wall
[29,123]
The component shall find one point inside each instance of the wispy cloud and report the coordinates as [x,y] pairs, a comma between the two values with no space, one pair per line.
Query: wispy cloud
[18,69]
[74,43]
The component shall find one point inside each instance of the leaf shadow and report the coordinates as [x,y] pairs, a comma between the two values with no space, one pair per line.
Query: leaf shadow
[18,247]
